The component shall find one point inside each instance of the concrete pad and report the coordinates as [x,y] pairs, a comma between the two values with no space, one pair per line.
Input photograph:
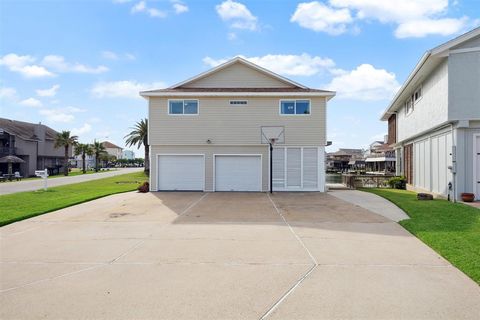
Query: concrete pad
[235,208]
[221,251]
[314,207]
[154,292]
[374,292]
[371,202]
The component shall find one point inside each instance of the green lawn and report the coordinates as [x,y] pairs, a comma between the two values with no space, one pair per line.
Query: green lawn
[451,229]
[74,172]
[22,205]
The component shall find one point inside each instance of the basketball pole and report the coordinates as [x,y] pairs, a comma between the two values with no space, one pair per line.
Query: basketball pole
[271,166]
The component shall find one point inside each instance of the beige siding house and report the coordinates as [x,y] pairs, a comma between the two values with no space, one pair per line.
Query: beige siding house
[213,132]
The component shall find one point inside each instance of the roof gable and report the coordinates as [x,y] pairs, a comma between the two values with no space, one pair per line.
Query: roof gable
[237,73]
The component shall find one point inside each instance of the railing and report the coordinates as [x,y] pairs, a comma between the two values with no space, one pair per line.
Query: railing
[354,181]
[5,151]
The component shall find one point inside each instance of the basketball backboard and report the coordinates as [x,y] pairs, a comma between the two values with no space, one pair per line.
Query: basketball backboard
[270,133]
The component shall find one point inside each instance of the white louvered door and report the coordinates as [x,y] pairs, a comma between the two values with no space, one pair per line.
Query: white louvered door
[295,168]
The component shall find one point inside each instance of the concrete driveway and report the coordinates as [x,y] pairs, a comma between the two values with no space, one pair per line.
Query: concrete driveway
[225,256]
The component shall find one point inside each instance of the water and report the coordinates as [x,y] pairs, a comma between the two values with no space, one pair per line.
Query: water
[333,178]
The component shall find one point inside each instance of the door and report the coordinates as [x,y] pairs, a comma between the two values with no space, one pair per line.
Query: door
[295,168]
[408,165]
[476,163]
[238,173]
[181,172]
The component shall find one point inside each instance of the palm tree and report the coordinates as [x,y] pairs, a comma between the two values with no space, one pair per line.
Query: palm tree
[65,140]
[98,150]
[139,136]
[83,149]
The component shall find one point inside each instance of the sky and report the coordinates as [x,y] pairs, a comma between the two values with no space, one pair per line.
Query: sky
[79,65]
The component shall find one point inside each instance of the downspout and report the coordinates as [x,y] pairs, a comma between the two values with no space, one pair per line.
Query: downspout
[454,165]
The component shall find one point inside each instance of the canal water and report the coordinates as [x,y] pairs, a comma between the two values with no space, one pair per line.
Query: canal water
[333,178]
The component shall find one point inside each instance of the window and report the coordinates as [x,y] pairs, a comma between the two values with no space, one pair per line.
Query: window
[238,102]
[295,107]
[417,95]
[412,100]
[183,107]
[408,107]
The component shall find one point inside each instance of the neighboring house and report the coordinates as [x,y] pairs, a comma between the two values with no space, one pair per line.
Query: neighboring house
[211,132]
[345,159]
[434,120]
[77,160]
[113,149]
[380,158]
[128,154]
[32,142]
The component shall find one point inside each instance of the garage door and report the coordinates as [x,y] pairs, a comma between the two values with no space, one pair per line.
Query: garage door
[181,172]
[238,173]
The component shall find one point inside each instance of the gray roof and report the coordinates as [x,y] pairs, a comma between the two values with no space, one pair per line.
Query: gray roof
[25,130]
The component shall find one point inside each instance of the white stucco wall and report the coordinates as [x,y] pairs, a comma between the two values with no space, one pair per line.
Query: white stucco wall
[431,110]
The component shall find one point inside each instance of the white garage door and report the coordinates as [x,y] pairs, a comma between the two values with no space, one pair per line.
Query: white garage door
[238,173]
[181,172]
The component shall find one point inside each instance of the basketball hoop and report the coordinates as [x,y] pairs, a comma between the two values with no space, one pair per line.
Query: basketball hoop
[273,140]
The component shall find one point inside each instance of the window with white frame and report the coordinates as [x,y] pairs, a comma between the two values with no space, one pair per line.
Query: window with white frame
[294,107]
[412,100]
[408,106]
[183,107]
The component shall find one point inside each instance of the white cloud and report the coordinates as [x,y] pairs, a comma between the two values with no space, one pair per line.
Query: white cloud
[365,83]
[7,93]
[292,65]
[59,64]
[152,12]
[122,89]
[24,66]
[413,18]
[48,92]
[109,55]
[179,7]
[237,14]
[321,18]
[63,115]
[82,130]
[31,102]
[425,27]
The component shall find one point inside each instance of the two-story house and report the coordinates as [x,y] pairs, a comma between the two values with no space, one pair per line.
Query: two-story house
[32,142]
[434,120]
[112,149]
[213,132]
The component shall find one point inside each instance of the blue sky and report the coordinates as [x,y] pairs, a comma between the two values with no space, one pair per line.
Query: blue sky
[78,65]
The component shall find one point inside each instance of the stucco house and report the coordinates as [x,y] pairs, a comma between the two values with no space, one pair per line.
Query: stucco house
[434,120]
[212,132]
[32,142]
[113,150]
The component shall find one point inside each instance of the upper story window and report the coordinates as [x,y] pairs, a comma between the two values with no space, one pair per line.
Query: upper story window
[183,107]
[412,100]
[295,107]
[238,102]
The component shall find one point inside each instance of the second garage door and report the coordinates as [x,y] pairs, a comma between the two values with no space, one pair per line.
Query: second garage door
[238,173]
[181,172]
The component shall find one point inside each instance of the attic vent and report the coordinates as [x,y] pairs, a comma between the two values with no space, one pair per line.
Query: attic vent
[238,102]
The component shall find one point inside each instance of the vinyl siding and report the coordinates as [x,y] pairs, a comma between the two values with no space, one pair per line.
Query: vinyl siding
[238,76]
[224,124]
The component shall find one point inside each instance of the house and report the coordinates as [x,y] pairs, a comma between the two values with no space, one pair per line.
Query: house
[213,132]
[32,142]
[380,158]
[434,120]
[128,154]
[113,150]
[345,159]
[77,161]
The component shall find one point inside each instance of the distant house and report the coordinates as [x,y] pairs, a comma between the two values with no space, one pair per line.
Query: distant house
[434,120]
[76,162]
[380,158]
[128,154]
[32,142]
[113,149]
[344,159]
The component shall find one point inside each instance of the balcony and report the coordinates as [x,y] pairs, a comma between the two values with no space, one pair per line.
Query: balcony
[5,151]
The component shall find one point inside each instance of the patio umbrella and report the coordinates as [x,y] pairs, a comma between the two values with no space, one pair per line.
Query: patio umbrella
[10,160]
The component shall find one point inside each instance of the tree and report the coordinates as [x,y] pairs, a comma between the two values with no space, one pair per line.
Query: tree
[98,150]
[83,149]
[65,140]
[139,136]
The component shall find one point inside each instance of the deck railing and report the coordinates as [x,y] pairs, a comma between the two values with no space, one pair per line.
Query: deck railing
[6,151]
[354,181]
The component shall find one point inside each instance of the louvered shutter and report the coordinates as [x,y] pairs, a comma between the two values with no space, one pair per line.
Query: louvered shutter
[310,168]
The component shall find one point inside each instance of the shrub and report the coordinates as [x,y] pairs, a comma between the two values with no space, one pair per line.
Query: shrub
[144,187]
[398,183]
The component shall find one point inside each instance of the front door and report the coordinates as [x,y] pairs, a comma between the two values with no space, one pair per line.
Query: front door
[408,162]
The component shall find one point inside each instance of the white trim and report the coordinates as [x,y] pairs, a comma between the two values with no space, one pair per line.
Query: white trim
[476,175]
[214,173]
[183,114]
[465,50]
[237,93]
[295,108]
[182,154]
[229,63]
